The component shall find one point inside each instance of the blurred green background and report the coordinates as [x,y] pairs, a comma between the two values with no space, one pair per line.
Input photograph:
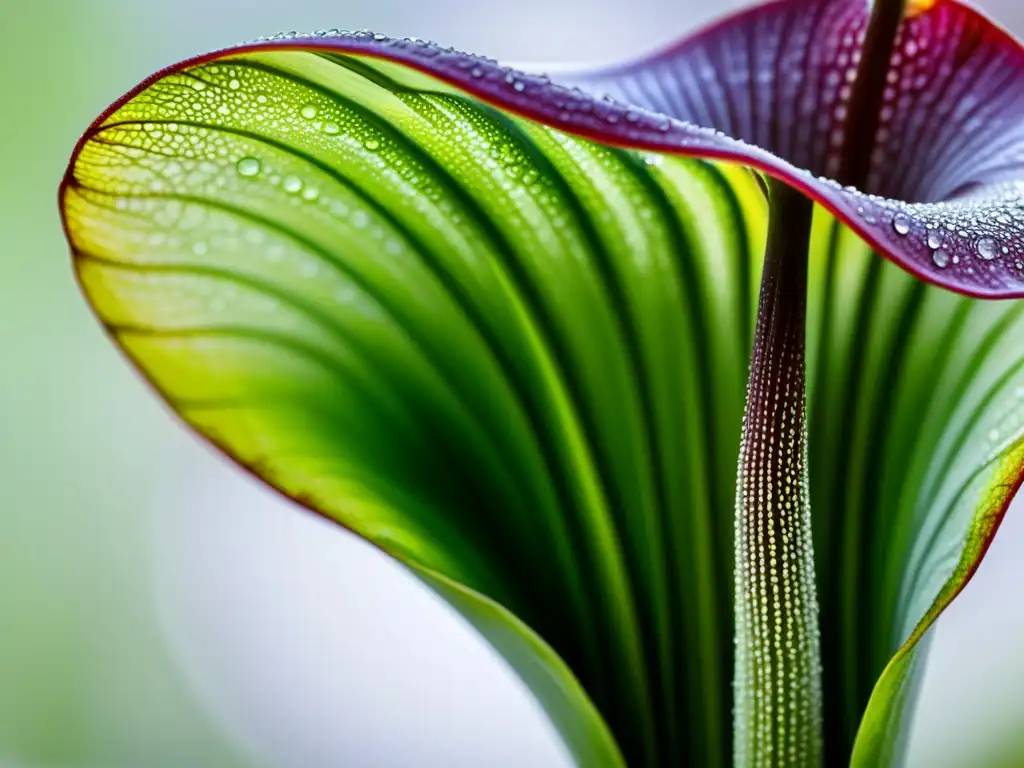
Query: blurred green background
[157,608]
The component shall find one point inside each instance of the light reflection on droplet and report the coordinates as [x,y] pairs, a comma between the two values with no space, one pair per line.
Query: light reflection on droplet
[248,166]
[987,248]
[901,223]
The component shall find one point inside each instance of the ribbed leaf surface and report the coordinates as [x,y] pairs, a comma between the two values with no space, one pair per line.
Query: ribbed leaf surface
[514,358]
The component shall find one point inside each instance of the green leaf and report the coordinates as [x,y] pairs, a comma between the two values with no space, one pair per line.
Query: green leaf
[917,409]
[477,342]
[515,360]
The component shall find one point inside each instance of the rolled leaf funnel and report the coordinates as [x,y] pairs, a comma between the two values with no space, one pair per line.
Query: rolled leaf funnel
[504,328]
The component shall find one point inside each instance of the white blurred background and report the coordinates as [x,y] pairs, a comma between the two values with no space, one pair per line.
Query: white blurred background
[157,608]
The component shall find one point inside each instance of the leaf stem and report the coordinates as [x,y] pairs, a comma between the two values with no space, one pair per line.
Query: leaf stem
[777,716]
[865,107]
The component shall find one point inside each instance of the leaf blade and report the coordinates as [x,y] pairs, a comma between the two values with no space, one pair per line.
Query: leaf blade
[375,320]
[480,301]
[898,476]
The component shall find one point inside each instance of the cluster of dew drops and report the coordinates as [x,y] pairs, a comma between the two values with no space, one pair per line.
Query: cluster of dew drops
[251,166]
[986,247]
[518,170]
[191,143]
[506,154]
[554,101]
[971,234]
[975,234]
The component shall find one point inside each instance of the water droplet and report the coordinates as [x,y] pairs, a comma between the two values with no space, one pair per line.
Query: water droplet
[372,144]
[519,85]
[199,248]
[292,184]
[993,435]
[310,193]
[233,84]
[248,166]
[198,85]
[901,223]
[934,240]
[941,259]
[987,248]
[477,72]
[530,177]
[308,112]
[331,128]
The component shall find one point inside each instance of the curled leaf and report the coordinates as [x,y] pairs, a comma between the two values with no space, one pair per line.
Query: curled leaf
[501,328]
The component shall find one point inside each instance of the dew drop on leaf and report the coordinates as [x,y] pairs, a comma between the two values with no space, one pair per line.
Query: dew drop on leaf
[934,240]
[941,259]
[901,223]
[248,166]
[987,248]
[308,112]
[292,184]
